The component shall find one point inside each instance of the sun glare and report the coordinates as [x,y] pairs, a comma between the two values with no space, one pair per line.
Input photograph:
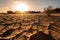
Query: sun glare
[21,7]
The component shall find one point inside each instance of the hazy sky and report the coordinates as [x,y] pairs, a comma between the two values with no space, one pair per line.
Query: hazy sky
[33,4]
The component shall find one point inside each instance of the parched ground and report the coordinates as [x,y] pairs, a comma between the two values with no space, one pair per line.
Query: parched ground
[18,27]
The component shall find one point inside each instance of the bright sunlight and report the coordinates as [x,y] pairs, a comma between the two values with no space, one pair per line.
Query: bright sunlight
[21,7]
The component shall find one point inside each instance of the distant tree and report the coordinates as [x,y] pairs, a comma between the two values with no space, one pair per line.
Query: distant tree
[56,10]
[10,12]
[48,10]
[34,11]
[17,12]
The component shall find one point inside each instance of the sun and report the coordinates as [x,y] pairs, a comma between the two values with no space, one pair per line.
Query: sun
[21,7]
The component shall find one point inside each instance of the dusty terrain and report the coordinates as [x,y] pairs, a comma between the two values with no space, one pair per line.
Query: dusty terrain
[20,27]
